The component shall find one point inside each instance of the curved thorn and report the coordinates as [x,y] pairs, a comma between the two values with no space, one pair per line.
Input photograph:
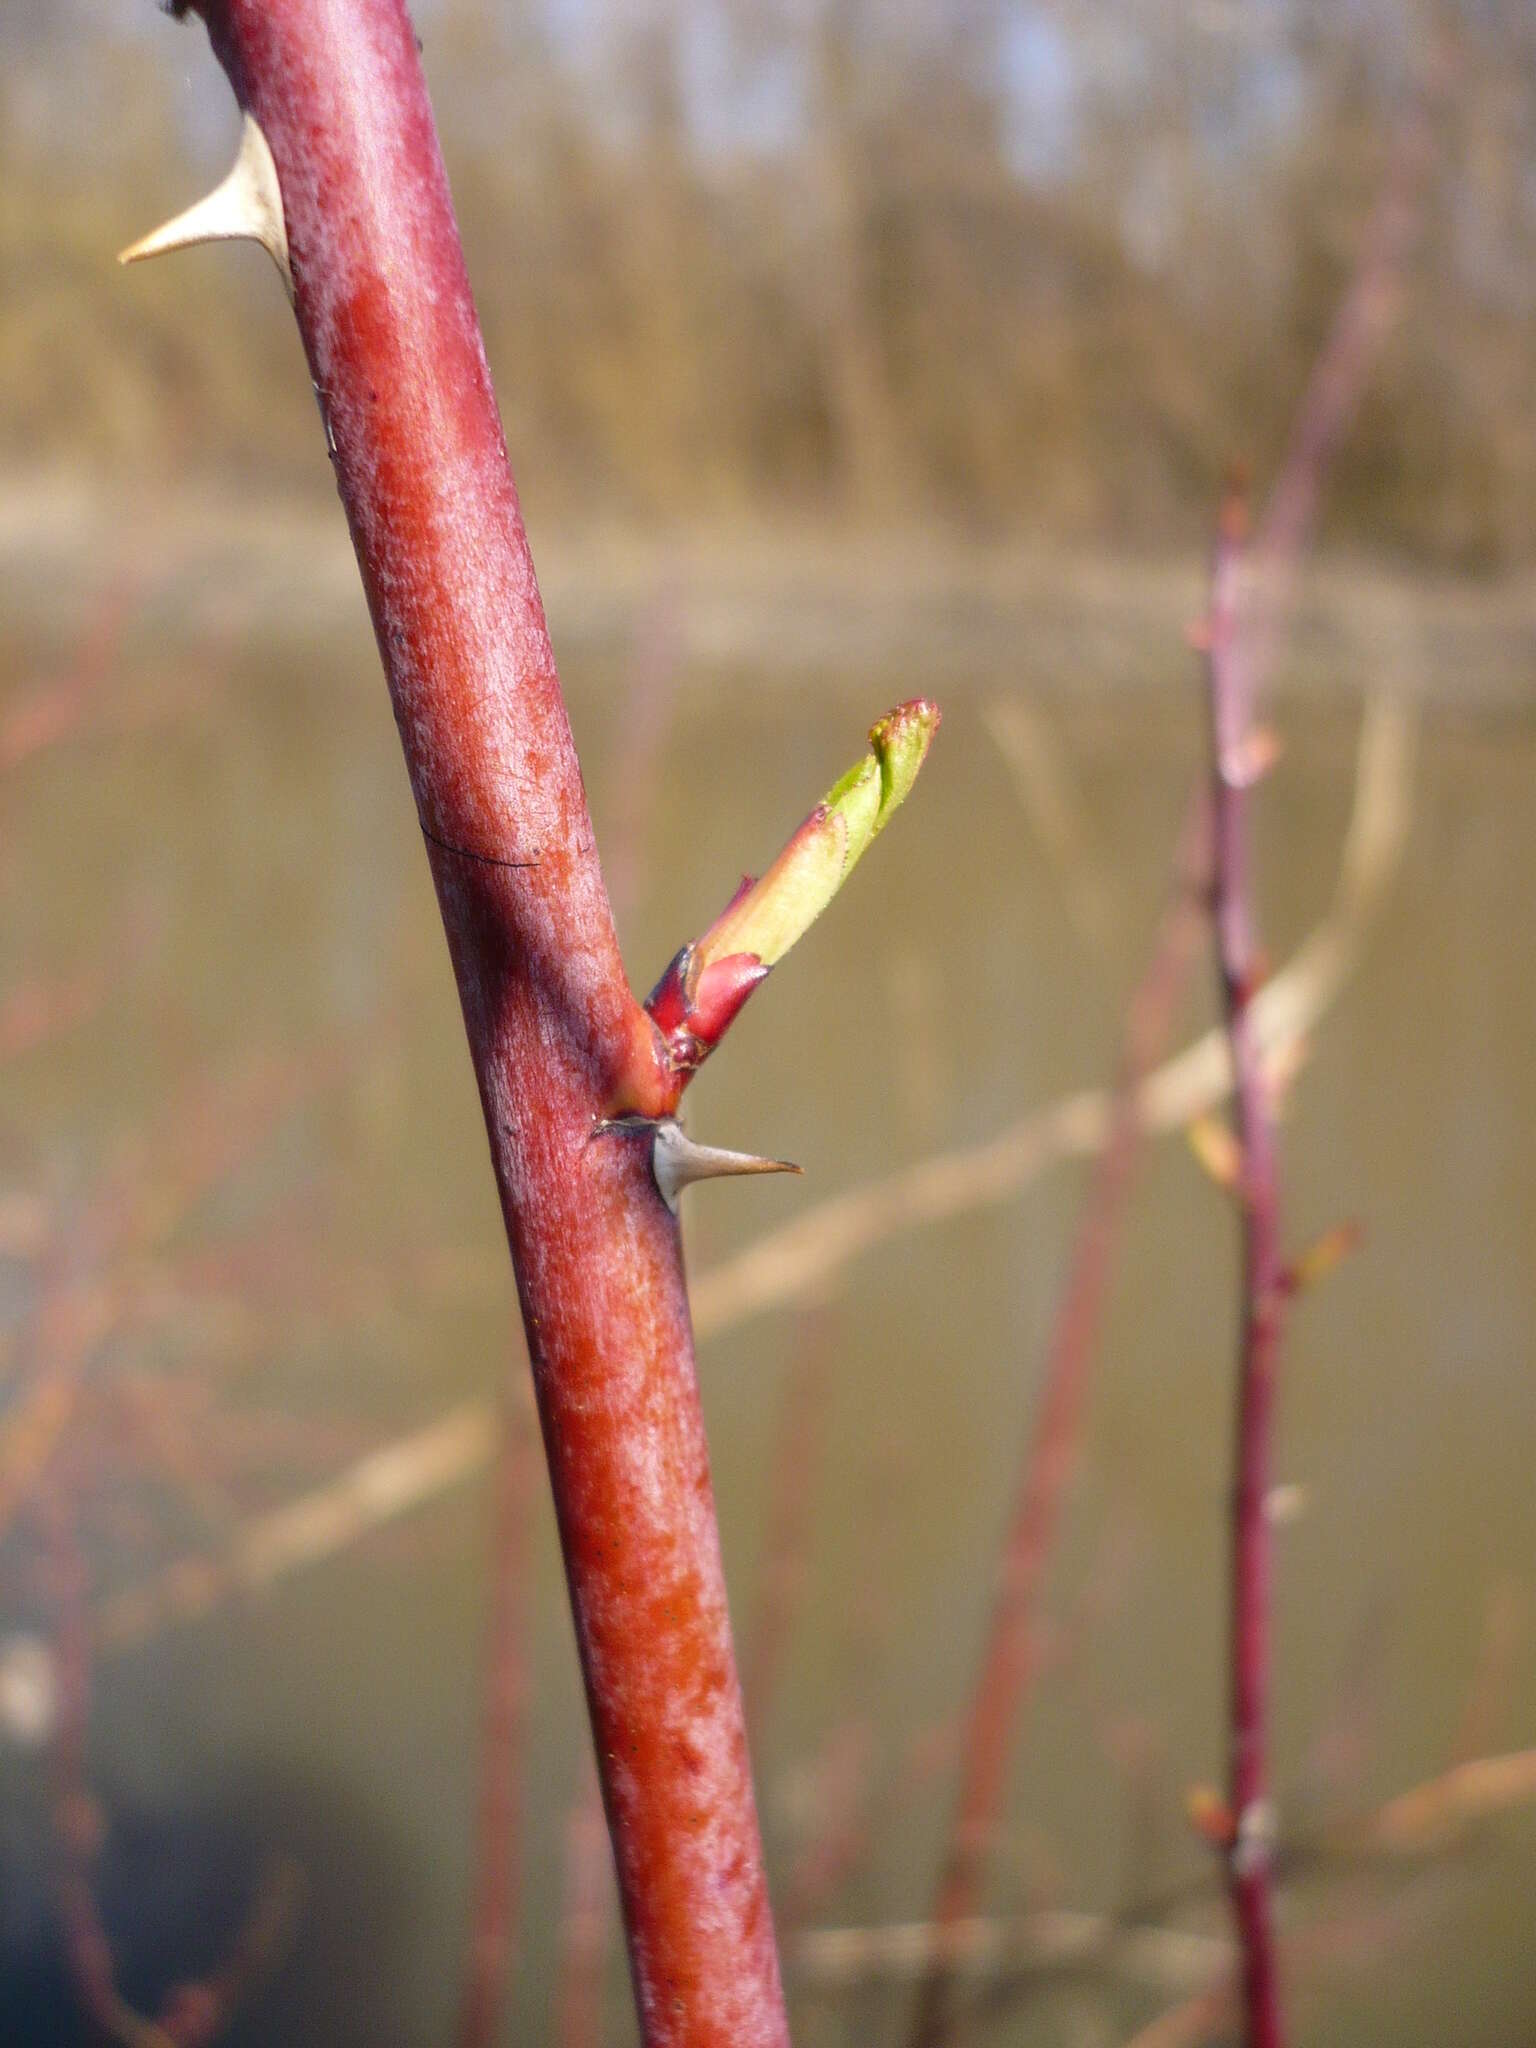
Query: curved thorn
[246,207]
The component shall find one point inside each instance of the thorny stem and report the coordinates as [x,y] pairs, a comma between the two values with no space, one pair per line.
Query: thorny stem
[557,1039]
[1251,1853]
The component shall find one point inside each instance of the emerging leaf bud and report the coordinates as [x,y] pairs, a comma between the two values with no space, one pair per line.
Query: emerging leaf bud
[707,982]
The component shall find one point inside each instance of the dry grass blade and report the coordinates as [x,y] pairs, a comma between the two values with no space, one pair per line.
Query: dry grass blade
[385,1484]
[1164,1958]
[1057,815]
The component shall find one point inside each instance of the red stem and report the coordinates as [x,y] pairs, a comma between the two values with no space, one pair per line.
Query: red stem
[1244,657]
[1250,1856]
[1010,1660]
[1240,647]
[557,1039]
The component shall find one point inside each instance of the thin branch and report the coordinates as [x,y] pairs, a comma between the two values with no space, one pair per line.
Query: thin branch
[1010,1657]
[1428,1815]
[1250,1855]
[1189,2023]
[650,691]
[1057,814]
[391,1481]
[586,1921]
[849,1811]
[1493,1674]
[1058,1942]
[792,1469]
[1237,666]
[53,709]
[1424,1821]
[494,1896]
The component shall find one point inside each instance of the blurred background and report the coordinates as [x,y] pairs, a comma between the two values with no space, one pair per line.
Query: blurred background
[847,352]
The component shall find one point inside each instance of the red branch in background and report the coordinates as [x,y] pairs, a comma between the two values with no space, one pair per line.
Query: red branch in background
[1250,1853]
[1240,638]
[793,1464]
[557,1039]
[494,1897]
[1011,1657]
[1009,1660]
[586,1915]
[650,704]
[57,706]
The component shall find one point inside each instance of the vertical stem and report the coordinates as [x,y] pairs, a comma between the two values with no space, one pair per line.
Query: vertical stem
[1010,1657]
[556,1037]
[1241,646]
[1250,1857]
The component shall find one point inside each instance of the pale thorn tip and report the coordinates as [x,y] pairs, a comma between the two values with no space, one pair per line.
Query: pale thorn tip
[676,1160]
[246,207]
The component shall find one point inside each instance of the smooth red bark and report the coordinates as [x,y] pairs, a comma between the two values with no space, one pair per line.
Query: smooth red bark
[557,1038]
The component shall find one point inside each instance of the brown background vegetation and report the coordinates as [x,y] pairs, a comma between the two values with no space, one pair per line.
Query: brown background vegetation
[1036,268]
